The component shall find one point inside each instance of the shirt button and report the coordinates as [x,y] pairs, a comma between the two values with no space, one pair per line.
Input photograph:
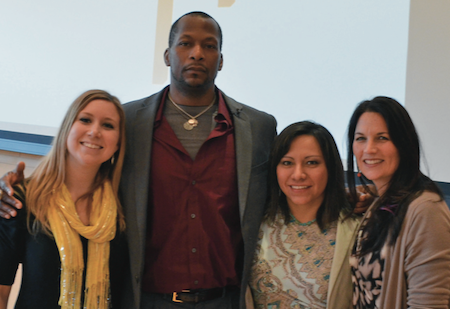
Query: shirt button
[193,182]
[194,250]
[192,216]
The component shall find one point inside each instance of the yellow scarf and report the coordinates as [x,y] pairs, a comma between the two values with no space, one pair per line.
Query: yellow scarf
[67,228]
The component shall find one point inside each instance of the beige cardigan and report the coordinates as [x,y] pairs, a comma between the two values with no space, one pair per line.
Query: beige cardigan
[340,288]
[417,267]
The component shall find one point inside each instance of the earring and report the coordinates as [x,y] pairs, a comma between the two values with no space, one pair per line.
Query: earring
[359,174]
[112,160]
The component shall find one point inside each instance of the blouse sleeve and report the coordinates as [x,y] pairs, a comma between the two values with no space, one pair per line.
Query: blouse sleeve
[12,238]
[427,253]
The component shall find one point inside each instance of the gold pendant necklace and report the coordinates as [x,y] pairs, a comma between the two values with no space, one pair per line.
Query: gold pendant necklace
[192,121]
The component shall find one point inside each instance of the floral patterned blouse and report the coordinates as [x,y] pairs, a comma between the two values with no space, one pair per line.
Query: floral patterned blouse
[367,274]
[292,264]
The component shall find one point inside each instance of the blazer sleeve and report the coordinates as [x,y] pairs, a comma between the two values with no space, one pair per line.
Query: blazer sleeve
[427,253]
[12,234]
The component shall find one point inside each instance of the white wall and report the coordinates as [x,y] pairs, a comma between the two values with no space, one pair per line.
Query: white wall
[428,82]
[294,59]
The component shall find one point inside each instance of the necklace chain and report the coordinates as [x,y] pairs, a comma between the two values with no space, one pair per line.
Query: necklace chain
[192,121]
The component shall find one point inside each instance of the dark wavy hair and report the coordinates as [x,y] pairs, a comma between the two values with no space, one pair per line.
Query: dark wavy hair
[174,28]
[334,201]
[407,182]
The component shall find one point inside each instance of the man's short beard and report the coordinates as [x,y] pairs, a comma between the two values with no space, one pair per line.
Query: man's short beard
[193,90]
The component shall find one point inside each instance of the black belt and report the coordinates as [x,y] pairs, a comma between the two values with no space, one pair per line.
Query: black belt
[196,296]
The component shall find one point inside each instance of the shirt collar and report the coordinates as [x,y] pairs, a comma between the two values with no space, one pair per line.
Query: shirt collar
[223,114]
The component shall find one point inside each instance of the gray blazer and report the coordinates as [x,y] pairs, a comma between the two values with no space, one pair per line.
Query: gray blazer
[254,134]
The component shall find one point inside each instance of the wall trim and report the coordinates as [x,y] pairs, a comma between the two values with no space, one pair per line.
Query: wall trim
[25,143]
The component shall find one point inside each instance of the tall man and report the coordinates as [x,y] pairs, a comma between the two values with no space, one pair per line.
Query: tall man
[194,178]
[194,181]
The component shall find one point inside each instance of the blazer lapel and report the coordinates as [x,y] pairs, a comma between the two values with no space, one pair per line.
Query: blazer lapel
[243,144]
[141,153]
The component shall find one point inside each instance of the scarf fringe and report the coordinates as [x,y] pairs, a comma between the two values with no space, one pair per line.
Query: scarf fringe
[98,295]
[70,289]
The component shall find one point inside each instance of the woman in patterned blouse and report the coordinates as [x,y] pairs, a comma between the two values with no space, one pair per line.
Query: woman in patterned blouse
[301,259]
[401,257]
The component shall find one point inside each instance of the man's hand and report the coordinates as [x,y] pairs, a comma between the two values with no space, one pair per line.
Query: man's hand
[365,198]
[9,204]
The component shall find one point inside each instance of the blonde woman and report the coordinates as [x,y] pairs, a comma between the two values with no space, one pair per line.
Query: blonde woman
[68,232]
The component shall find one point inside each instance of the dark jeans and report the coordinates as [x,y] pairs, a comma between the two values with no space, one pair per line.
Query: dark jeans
[157,301]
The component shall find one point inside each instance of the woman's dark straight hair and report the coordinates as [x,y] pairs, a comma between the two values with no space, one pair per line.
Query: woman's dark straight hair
[335,200]
[407,182]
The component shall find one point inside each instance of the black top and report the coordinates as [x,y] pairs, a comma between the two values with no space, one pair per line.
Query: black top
[41,263]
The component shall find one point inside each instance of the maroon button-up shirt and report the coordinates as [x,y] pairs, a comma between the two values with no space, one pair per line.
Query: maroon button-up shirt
[194,234]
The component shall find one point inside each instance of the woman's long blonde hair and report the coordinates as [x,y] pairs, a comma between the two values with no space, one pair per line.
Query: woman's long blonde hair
[50,174]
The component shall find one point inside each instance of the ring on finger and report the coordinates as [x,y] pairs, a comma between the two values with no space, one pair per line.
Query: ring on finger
[1,194]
